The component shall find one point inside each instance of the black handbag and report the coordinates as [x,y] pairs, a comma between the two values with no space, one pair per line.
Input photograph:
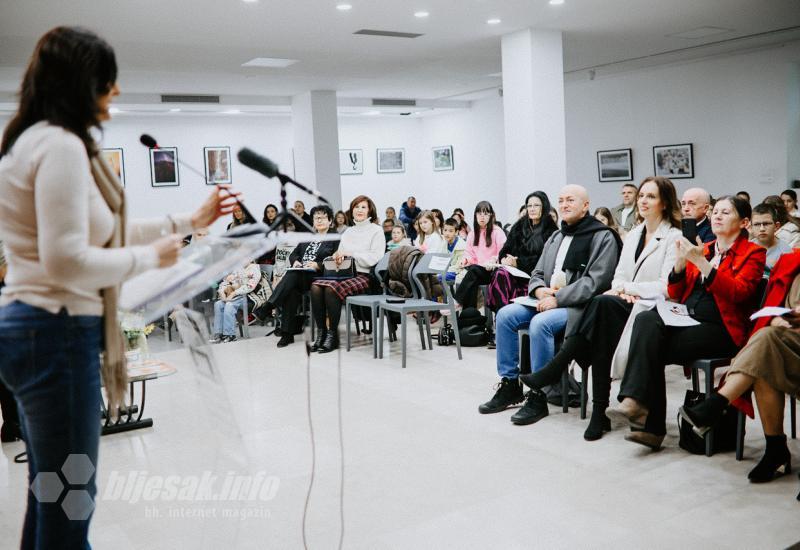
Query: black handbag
[344,270]
[724,431]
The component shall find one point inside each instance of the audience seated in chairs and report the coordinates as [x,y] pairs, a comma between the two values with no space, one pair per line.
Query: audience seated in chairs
[789,231]
[232,293]
[577,263]
[456,246]
[480,258]
[306,261]
[603,335]
[398,238]
[717,283]
[429,238]
[364,243]
[521,250]
[769,365]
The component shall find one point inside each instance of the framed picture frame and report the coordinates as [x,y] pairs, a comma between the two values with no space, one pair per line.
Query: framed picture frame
[115,157]
[164,167]
[674,161]
[351,162]
[615,165]
[391,161]
[443,158]
[218,165]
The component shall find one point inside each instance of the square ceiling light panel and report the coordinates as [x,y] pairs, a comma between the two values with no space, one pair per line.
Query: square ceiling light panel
[271,62]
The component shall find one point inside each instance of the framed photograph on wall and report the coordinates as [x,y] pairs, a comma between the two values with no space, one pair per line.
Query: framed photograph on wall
[443,158]
[351,162]
[164,167]
[391,161]
[615,165]
[116,159]
[674,161]
[218,165]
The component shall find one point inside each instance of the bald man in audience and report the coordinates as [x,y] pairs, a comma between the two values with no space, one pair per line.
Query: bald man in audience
[695,204]
[576,264]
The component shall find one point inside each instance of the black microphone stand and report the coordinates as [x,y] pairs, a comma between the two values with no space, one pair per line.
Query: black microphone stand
[285,215]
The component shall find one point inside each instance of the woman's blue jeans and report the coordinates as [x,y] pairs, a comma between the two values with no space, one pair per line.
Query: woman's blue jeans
[51,363]
[543,328]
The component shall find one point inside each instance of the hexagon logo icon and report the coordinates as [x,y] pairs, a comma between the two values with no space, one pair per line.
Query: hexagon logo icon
[77,469]
[47,487]
[78,505]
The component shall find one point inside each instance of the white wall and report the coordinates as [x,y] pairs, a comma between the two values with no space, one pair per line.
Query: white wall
[735,111]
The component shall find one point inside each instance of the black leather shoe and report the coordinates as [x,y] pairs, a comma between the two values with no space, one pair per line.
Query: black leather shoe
[331,342]
[776,462]
[598,424]
[317,345]
[534,409]
[508,393]
[285,340]
[10,432]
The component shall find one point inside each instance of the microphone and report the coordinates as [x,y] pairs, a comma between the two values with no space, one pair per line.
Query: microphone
[150,142]
[266,167]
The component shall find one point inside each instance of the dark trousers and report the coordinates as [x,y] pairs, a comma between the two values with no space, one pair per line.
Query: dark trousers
[288,294]
[601,326]
[51,364]
[655,345]
[467,291]
[8,406]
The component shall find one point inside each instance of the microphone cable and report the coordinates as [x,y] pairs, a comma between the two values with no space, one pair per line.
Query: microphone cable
[312,435]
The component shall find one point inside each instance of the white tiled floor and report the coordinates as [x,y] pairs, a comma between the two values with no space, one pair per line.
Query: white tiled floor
[422,468]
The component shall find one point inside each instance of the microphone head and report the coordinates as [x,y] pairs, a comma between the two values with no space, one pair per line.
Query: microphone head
[148,141]
[260,164]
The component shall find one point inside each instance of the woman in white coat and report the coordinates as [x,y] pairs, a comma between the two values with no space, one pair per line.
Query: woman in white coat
[644,265]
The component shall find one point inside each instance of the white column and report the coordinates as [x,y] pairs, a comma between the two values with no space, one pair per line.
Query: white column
[316,145]
[533,111]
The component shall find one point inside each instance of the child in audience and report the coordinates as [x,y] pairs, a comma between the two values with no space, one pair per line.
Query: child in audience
[340,221]
[480,257]
[428,237]
[232,293]
[439,217]
[398,238]
[764,227]
[455,246]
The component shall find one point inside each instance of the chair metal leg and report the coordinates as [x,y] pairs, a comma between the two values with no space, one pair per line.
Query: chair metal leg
[565,391]
[709,376]
[456,334]
[403,340]
[347,323]
[740,435]
[381,314]
[584,391]
[793,415]
[374,311]
[245,315]
[428,330]
[695,381]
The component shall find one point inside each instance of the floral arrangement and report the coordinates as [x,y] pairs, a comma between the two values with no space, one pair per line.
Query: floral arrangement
[135,332]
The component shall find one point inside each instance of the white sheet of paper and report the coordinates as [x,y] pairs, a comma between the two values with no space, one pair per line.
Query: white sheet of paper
[515,272]
[440,263]
[526,301]
[675,315]
[771,311]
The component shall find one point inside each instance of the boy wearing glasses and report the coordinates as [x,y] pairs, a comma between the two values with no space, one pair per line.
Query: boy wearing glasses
[764,225]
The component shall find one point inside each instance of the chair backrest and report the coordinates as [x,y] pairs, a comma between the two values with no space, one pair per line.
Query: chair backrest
[433,263]
[380,270]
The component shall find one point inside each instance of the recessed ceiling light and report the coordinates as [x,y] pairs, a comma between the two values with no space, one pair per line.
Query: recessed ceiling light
[271,62]
[494,21]
[231,112]
[344,7]
[421,14]
[556,2]
[250,1]
[175,110]
[114,110]
[372,113]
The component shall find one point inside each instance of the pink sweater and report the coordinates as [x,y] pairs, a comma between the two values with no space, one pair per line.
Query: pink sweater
[481,253]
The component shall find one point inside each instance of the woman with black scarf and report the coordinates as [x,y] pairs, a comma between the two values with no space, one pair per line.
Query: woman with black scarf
[522,250]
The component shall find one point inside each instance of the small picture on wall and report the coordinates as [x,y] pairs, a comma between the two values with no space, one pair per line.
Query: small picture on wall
[616,165]
[674,161]
[391,160]
[116,159]
[351,162]
[443,158]
[218,165]
[164,167]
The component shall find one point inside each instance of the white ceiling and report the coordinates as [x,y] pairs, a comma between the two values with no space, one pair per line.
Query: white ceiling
[198,46]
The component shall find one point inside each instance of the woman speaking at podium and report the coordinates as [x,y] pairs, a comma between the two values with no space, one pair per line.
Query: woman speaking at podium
[68,247]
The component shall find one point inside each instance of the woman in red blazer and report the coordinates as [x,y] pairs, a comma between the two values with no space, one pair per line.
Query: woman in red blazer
[769,365]
[717,283]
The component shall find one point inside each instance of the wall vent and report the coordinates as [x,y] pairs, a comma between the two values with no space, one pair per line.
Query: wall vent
[189,98]
[391,34]
[394,102]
